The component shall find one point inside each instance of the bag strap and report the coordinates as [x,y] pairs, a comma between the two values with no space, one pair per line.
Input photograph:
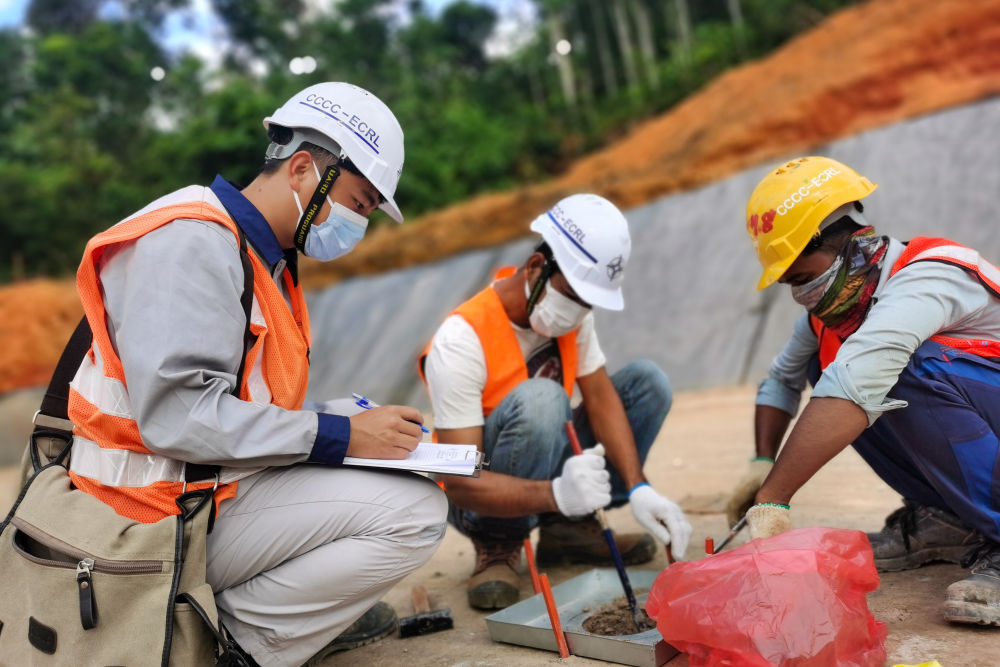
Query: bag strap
[51,420]
[231,655]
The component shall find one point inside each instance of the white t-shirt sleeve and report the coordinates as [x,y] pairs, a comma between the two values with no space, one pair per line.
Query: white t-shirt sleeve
[455,369]
[590,357]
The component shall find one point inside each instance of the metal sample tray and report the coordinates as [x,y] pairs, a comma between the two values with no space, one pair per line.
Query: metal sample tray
[527,622]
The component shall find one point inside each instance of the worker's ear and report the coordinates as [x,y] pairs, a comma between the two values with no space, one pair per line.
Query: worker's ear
[533,267]
[300,170]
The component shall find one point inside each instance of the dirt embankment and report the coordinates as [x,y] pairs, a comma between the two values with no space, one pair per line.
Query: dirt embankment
[868,66]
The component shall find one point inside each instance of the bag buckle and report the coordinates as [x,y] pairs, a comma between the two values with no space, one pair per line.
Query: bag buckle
[215,486]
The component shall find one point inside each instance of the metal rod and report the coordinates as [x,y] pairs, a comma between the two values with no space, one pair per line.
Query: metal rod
[732,533]
[609,537]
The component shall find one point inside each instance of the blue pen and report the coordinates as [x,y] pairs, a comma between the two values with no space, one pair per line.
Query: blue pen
[363,402]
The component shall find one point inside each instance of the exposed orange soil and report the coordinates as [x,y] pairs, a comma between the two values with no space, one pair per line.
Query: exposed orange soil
[870,65]
[36,319]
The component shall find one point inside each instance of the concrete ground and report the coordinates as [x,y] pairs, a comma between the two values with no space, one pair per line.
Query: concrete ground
[700,453]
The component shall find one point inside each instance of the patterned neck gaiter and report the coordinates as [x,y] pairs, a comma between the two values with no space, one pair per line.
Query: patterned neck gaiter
[841,296]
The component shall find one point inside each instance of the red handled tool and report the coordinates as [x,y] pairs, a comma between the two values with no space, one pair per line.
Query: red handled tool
[641,620]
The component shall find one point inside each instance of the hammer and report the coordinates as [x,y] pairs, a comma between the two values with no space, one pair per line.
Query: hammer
[424,621]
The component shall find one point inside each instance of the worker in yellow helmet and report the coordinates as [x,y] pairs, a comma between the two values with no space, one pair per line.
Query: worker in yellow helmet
[901,342]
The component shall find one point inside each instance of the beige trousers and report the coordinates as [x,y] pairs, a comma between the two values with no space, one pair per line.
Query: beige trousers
[301,552]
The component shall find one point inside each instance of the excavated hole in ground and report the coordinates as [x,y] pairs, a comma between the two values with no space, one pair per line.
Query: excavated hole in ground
[615,618]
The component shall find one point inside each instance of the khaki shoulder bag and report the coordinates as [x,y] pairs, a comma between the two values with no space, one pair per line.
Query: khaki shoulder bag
[81,584]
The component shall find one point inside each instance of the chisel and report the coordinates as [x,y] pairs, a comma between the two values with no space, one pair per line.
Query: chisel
[640,617]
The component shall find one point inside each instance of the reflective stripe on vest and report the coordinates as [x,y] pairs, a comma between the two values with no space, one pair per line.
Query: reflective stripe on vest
[505,365]
[926,249]
[109,458]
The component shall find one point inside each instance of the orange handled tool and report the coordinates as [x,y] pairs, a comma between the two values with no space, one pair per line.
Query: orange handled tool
[532,568]
[616,555]
[550,605]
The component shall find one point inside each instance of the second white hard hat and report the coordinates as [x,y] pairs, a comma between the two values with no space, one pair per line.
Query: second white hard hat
[591,244]
[349,122]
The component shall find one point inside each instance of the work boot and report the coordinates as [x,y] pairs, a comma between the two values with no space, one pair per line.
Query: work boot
[374,624]
[495,583]
[976,599]
[564,540]
[915,535]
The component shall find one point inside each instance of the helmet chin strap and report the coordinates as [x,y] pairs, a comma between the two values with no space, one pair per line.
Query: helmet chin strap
[547,270]
[319,195]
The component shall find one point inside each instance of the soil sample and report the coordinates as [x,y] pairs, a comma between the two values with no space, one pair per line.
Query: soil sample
[615,618]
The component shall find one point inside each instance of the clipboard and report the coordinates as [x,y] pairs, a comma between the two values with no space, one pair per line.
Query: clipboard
[430,457]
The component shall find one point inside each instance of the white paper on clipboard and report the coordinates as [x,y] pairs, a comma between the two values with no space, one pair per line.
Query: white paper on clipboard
[431,457]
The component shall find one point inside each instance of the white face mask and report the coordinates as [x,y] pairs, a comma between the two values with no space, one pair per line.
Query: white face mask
[555,314]
[335,236]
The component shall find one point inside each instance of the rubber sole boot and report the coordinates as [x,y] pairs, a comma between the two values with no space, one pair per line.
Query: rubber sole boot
[563,540]
[976,599]
[915,535]
[378,622]
[495,582]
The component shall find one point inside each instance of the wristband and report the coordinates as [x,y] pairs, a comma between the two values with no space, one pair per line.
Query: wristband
[763,458]
[772,505]
[636,487]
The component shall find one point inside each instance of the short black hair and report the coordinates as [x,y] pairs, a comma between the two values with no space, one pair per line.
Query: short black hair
[546,251]
[834,236]
[279,134]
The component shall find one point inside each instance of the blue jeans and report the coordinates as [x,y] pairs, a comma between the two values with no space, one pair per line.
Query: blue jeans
[525,436]
[942,450]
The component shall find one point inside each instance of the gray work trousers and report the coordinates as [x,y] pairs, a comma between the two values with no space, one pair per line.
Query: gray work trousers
[302,551]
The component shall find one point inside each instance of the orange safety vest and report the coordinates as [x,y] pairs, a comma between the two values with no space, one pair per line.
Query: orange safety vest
[505,365]
[926,249]
[110,460]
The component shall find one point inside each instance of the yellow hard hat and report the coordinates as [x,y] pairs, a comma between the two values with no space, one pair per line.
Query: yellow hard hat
[787,206]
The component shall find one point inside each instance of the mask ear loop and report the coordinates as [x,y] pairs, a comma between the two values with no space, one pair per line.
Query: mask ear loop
[547,270]
[330,175]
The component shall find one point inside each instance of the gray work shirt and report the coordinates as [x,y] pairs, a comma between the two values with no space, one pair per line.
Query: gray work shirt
[922,300]
[172,299]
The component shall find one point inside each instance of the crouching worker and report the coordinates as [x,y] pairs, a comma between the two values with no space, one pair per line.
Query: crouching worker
[902,343]
[501,370]
[198,371]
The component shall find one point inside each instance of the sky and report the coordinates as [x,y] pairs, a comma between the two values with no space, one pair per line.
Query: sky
[199,31]
[12,11]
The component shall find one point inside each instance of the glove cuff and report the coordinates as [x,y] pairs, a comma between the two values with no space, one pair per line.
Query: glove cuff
[768,519]
[632,490]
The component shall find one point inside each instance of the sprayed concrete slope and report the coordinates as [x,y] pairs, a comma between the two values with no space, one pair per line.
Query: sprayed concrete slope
[691,302]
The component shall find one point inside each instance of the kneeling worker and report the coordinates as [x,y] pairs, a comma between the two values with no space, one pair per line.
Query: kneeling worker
[902,343]
[501,370]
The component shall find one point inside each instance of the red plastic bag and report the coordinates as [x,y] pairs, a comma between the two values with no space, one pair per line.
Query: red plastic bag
[794,599]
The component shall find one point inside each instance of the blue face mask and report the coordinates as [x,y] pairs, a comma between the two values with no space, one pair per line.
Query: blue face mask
[335,236]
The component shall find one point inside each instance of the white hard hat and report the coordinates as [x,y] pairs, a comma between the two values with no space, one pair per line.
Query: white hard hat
[590,243]
[349,122]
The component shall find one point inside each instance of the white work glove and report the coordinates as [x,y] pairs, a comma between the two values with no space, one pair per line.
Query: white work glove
[662,517]
[746,489]
[768,519]
[585,484]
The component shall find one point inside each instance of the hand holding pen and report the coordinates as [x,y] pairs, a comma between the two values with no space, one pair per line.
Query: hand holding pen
[384,432]
[367,404]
